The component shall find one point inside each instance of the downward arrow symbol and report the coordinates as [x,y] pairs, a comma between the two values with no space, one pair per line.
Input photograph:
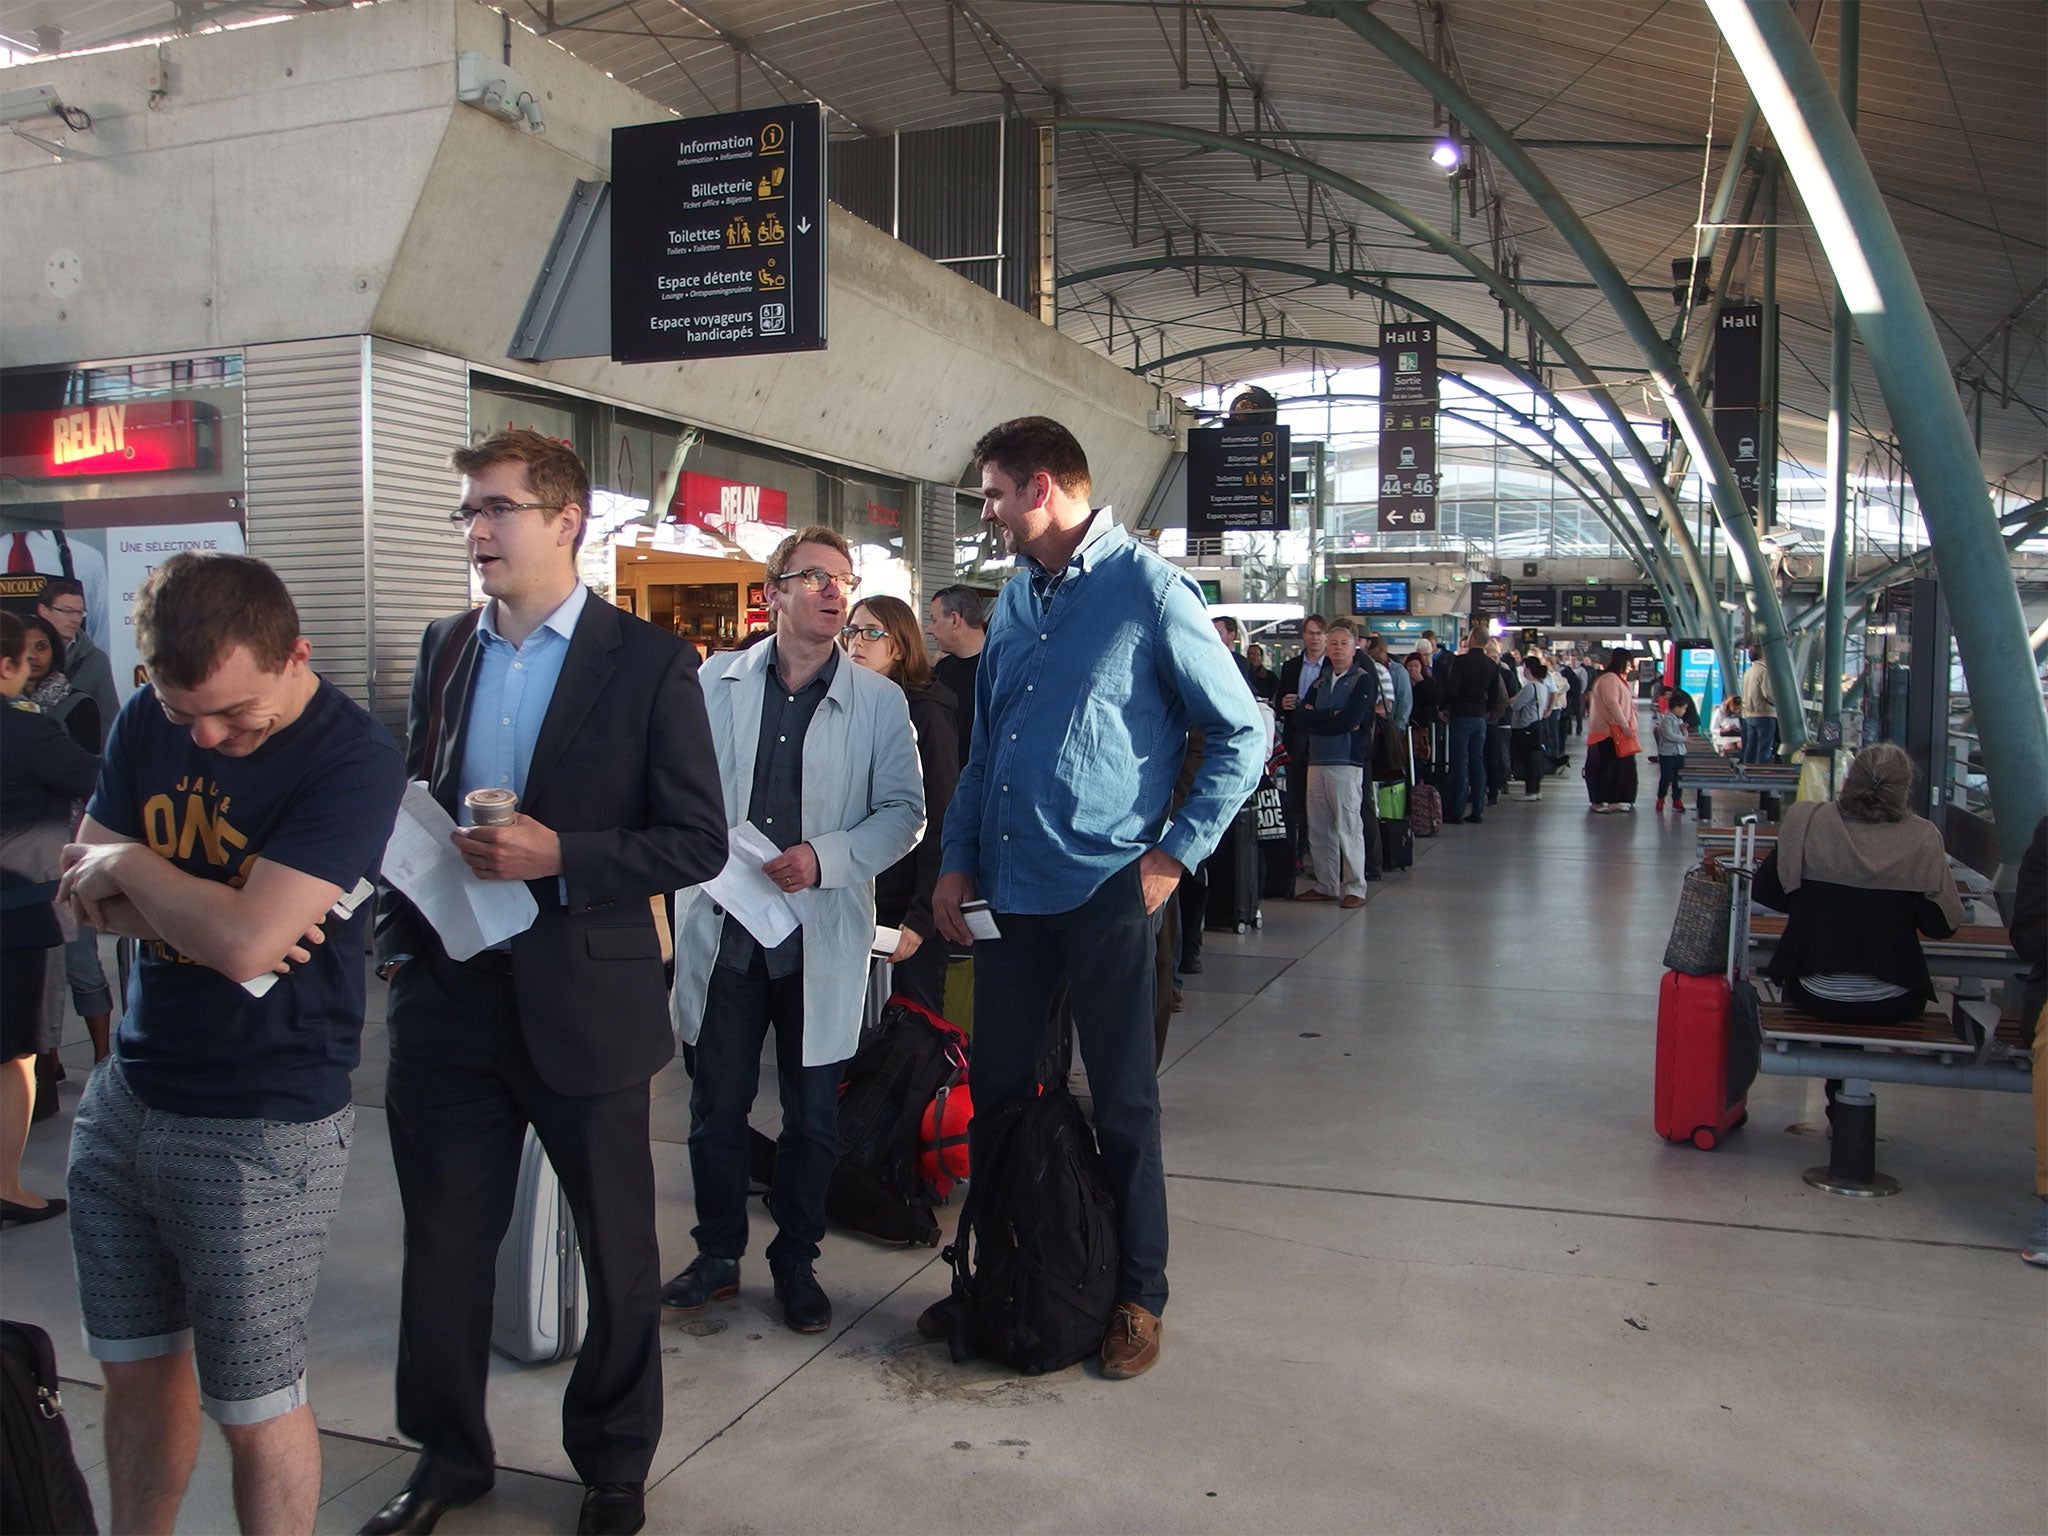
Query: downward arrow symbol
[803,226]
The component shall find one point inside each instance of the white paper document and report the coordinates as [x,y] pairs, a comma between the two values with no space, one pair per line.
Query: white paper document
[886,940]
[759,905]
[469,914]
[344,909]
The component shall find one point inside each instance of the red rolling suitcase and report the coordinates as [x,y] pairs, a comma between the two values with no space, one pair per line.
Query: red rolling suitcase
[1703,1070]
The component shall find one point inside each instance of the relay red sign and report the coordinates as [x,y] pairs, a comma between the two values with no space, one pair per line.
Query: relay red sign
[133,437]
[722,505]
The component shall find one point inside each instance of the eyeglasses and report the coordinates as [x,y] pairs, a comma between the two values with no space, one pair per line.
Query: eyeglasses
[868,632]
[69,613]
[497,511]
[815,580]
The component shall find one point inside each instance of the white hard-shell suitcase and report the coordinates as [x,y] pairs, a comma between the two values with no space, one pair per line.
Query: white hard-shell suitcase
[541,1307]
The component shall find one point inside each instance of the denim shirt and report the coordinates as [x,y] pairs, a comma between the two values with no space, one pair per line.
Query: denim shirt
[1090,680]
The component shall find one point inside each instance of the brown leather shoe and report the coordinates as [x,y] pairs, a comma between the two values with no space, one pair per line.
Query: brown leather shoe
[1131,1347]
[1350,902]
[1312,894]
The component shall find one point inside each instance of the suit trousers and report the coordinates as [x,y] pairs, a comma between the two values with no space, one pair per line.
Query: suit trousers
[461,1092]
[1103,950]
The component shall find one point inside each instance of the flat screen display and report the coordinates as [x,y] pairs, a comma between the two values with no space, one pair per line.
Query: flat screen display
[1385,595]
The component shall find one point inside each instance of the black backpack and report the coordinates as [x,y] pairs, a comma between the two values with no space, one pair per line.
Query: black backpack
[41,1488]
[1035,1259]
[892,1079]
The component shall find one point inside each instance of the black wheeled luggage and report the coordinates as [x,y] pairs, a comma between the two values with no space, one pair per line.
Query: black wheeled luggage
[1234,875]
[1276,841]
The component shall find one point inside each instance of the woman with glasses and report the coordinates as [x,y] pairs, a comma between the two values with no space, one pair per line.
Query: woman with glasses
[882,635]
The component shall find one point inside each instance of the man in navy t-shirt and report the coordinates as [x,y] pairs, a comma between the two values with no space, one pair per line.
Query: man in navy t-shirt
[242,804]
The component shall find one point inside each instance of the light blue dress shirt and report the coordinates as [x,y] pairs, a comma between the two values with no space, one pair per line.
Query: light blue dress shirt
[514,685]
[1090,679]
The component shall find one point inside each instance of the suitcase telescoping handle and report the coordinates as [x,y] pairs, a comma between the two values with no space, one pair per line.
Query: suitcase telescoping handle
[1741,870]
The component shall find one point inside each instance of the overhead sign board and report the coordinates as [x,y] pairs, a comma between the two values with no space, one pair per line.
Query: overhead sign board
[1237,479]
[1590,607]
[1408,410]
[1738,393]
[1492,598]
[718,236]
[1644,609]
[1536,606]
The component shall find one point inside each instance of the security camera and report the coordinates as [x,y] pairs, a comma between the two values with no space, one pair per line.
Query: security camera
[25,103]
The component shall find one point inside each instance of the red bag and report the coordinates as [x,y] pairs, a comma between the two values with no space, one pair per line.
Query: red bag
[942,1139]
[1693,1080]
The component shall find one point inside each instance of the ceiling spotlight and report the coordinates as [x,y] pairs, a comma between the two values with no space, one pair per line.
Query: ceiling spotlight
[1447,154]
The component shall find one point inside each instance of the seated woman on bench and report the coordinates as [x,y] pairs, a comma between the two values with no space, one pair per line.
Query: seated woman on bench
[1859,879]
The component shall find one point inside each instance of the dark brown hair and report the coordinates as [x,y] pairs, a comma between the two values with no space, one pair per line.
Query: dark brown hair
[13,635]
[912,667]
[193,609]
[1022,447]
[557,476]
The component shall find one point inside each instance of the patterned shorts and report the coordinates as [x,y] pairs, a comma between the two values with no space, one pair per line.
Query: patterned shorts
[206,1235]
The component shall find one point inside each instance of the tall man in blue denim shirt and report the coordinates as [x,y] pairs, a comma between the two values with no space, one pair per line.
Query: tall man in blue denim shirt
[1099,659]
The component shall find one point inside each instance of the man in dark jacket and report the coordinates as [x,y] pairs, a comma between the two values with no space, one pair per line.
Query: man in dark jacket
[1474,695]
[2030,942]
[1298,674]
[1337,717]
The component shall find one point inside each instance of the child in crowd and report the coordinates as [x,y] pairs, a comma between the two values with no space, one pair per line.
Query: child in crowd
[1669,734]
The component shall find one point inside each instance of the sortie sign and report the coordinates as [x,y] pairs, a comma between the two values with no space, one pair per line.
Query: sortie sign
[718,236]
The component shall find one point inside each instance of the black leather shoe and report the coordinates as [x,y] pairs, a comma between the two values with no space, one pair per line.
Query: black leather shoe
[612,1509]
[805,1307]
[705,1281]
[1190,965]
[415,1511]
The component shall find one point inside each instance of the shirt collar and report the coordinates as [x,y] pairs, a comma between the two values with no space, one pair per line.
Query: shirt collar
[562,621]
[1099,535]
[824,676]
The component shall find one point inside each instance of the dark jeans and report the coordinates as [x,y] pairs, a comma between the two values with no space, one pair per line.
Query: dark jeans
[1103,950]
[1370,811]
[1523,752]
[1468,767]
[460,1094]
[1759,738]
[739,1009]
[1669,767]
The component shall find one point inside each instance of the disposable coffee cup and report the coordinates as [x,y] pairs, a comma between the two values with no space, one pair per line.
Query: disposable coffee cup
[492,807]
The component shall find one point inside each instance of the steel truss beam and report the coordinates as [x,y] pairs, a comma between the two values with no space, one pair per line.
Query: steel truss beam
[1679,536]
[1663,363]
[1876,280]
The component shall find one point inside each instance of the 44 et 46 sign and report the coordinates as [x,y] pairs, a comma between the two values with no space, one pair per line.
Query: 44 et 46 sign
[718,236]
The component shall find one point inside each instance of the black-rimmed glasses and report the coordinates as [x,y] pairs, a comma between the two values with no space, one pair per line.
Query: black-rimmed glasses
[868,632]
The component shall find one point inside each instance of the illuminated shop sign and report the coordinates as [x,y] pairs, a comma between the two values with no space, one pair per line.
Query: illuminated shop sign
[722,505]
[134,437]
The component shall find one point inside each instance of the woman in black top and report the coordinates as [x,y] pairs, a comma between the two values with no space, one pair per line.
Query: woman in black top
[1859,879]
[42,771]
[882,634]
[51,691]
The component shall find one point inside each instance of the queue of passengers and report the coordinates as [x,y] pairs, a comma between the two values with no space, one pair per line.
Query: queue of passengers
[242,805]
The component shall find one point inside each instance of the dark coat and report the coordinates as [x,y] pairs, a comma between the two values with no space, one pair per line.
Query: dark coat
[903,891]
[623,771]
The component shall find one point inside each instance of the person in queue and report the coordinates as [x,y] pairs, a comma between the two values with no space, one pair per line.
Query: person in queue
[882,636]
[1099,661]
[2029,934]
[1265,681]
[62,606]
[817,753]
[91,702]
[1298,674]
[242,802]
[42,772]
[1424,710]
[958,627]
[594,720]
[1473,694]
[1527,713]
[1338,716]
[1859,879]
[1611,742]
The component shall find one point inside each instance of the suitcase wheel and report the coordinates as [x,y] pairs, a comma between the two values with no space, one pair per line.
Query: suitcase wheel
[1239,927]
[1705,1139]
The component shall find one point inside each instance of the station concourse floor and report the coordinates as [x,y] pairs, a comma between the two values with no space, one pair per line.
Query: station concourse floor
[1432,1271]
